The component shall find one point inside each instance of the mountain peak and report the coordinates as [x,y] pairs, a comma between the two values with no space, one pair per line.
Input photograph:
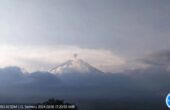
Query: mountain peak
[74,66]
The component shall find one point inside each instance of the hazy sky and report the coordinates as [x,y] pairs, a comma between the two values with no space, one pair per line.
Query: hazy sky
[123,28]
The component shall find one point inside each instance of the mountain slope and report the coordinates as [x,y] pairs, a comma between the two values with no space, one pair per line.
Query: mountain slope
[75,66]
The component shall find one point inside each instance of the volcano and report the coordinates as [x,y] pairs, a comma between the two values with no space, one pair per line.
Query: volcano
[75,66]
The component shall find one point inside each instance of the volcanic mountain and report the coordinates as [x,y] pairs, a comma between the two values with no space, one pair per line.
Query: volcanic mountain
[75,66]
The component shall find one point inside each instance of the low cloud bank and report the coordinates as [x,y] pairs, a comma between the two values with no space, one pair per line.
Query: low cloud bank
[43,58]
[133,89]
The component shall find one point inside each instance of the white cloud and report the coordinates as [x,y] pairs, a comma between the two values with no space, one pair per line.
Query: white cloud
[34,58]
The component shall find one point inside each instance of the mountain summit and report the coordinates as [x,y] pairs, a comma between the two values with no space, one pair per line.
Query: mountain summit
[75,66]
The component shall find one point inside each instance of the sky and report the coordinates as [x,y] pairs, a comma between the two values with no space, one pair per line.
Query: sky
[39,34]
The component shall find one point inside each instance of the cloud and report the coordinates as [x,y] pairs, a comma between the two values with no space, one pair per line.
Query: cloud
[150,79]
[138,86]
[145,86]
[159,58]
[44,58]
[35,58]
